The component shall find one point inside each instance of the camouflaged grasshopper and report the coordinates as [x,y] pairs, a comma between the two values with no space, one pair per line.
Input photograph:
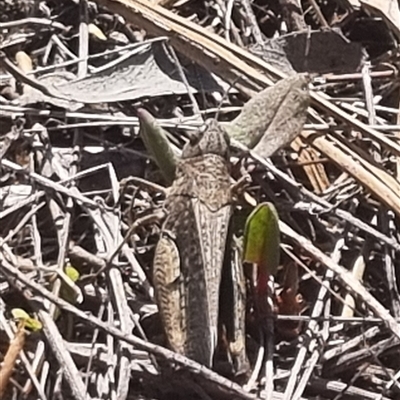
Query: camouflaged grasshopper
[190,253]
[189,256]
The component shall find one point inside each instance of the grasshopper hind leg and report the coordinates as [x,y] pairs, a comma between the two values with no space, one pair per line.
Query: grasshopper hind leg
[232,316]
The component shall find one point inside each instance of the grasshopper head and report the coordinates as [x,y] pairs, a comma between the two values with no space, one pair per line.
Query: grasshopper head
[211,138]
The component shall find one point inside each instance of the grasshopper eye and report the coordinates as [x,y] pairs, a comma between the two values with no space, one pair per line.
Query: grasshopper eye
[194,138]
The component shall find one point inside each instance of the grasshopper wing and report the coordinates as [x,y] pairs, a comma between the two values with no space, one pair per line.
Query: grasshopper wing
[168,283]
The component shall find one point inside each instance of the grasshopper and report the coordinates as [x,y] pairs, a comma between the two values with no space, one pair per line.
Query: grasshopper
[189,256]
[188,259]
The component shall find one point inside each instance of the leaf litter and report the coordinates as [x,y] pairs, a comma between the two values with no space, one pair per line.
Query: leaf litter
[81,189]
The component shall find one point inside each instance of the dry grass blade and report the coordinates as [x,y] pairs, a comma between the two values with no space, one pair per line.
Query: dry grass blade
[347,279]
[63,356]
[10,359]
[375,179]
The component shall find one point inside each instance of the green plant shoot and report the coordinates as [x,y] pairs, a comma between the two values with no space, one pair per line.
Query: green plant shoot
[262,239]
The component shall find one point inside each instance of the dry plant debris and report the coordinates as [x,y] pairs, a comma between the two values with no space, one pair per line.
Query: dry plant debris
[76,178]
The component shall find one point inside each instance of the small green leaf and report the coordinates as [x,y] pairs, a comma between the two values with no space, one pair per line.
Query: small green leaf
[69,290]
[71,272]
[31,323]
[19,313]
[262,238]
